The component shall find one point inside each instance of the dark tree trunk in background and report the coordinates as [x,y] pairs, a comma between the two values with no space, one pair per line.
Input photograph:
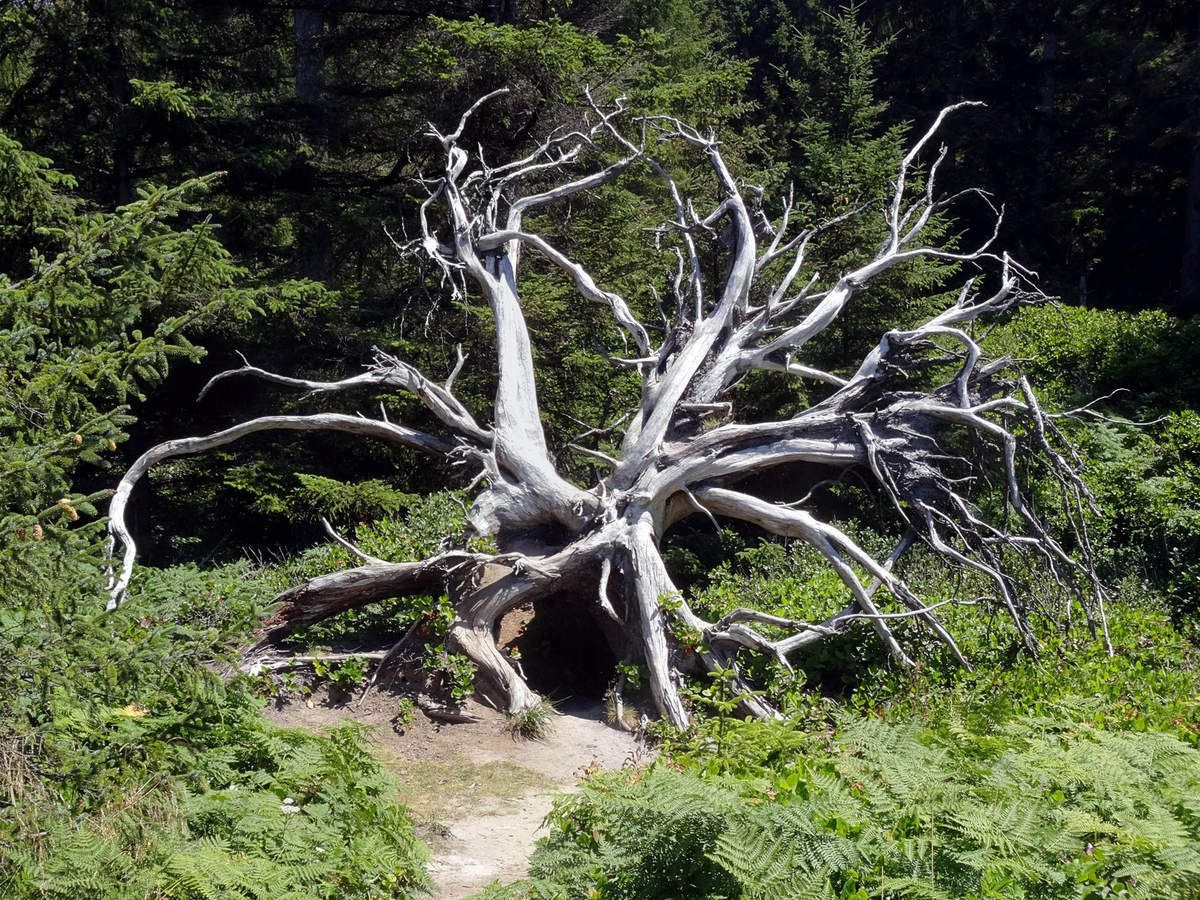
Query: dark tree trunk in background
[1189,275]
[121,168]
[314,245]
[308,26]
[1047,97]
[1189,279]
[502,12]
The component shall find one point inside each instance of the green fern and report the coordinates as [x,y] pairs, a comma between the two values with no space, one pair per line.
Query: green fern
[1028,809]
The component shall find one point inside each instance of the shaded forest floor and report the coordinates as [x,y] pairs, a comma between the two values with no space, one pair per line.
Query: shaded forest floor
[477,796]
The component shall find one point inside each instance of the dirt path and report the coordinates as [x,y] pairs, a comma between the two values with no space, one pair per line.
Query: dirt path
[477,796]
[482,845]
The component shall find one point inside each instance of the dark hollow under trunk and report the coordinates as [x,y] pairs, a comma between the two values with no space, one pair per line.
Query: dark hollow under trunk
[563,649]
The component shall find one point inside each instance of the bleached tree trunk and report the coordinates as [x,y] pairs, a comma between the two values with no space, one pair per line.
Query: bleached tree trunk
[766,312]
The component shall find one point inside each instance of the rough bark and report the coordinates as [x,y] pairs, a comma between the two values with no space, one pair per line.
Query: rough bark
[769,308]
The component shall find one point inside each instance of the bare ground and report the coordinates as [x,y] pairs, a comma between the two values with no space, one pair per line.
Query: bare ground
[477,795]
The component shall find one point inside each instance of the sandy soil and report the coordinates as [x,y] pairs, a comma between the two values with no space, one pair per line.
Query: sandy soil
[478,796]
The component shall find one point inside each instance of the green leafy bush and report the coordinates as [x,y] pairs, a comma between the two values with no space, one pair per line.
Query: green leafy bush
[135,769]
[792,580]
[344,675]
[294,816]
[364,500]
[413,535]
[93,309]
[1146,479]
[1147,483]
[1079,354]
[1151,681]
[133,763]
[1073,774]
[1031,808]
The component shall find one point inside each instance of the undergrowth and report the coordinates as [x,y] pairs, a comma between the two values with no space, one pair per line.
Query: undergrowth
[131,765]
[412,535]
[1071,775]
[1150,681]
[1031,808]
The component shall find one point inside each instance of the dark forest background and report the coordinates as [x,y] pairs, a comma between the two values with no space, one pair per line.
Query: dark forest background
[316,114]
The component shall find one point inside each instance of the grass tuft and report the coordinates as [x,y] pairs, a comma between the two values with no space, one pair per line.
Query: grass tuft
[533,724]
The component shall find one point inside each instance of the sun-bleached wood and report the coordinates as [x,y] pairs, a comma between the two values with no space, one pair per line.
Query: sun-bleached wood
[682,451]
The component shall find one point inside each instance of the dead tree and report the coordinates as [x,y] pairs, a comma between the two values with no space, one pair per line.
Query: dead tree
[681,453]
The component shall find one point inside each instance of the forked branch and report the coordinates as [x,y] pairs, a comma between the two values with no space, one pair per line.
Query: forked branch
[926,453]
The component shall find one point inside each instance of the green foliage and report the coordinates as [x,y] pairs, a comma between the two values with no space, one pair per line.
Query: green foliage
[363,500]
[794,581]
[415,535]
[429,520]
[163,95]
[406,711]
[33,197]
[550,54]
[1146,478]
[823,117]
[633,673]
[533,724]
[134,769]
[1069,775]
[1030,808]
[1147,482]
[93,310]
[343,674]
[1076,355]
[1088,133]
[133,764]
[310,818]
[128,767]
[454,673]
[1150,682]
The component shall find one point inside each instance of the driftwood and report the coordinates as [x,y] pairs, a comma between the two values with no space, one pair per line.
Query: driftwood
[768,312]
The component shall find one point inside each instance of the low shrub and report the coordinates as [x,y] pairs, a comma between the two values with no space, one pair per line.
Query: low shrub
[1033,807]
[133,766]
[534,724]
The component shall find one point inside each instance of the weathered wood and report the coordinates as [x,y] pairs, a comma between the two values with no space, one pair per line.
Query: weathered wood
[871,423]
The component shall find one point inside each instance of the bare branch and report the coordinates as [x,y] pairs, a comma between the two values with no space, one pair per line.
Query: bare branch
[118,531]
[315,387]
[583,281]
[449,140]
[327,595]
[832,543]
[365,557]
